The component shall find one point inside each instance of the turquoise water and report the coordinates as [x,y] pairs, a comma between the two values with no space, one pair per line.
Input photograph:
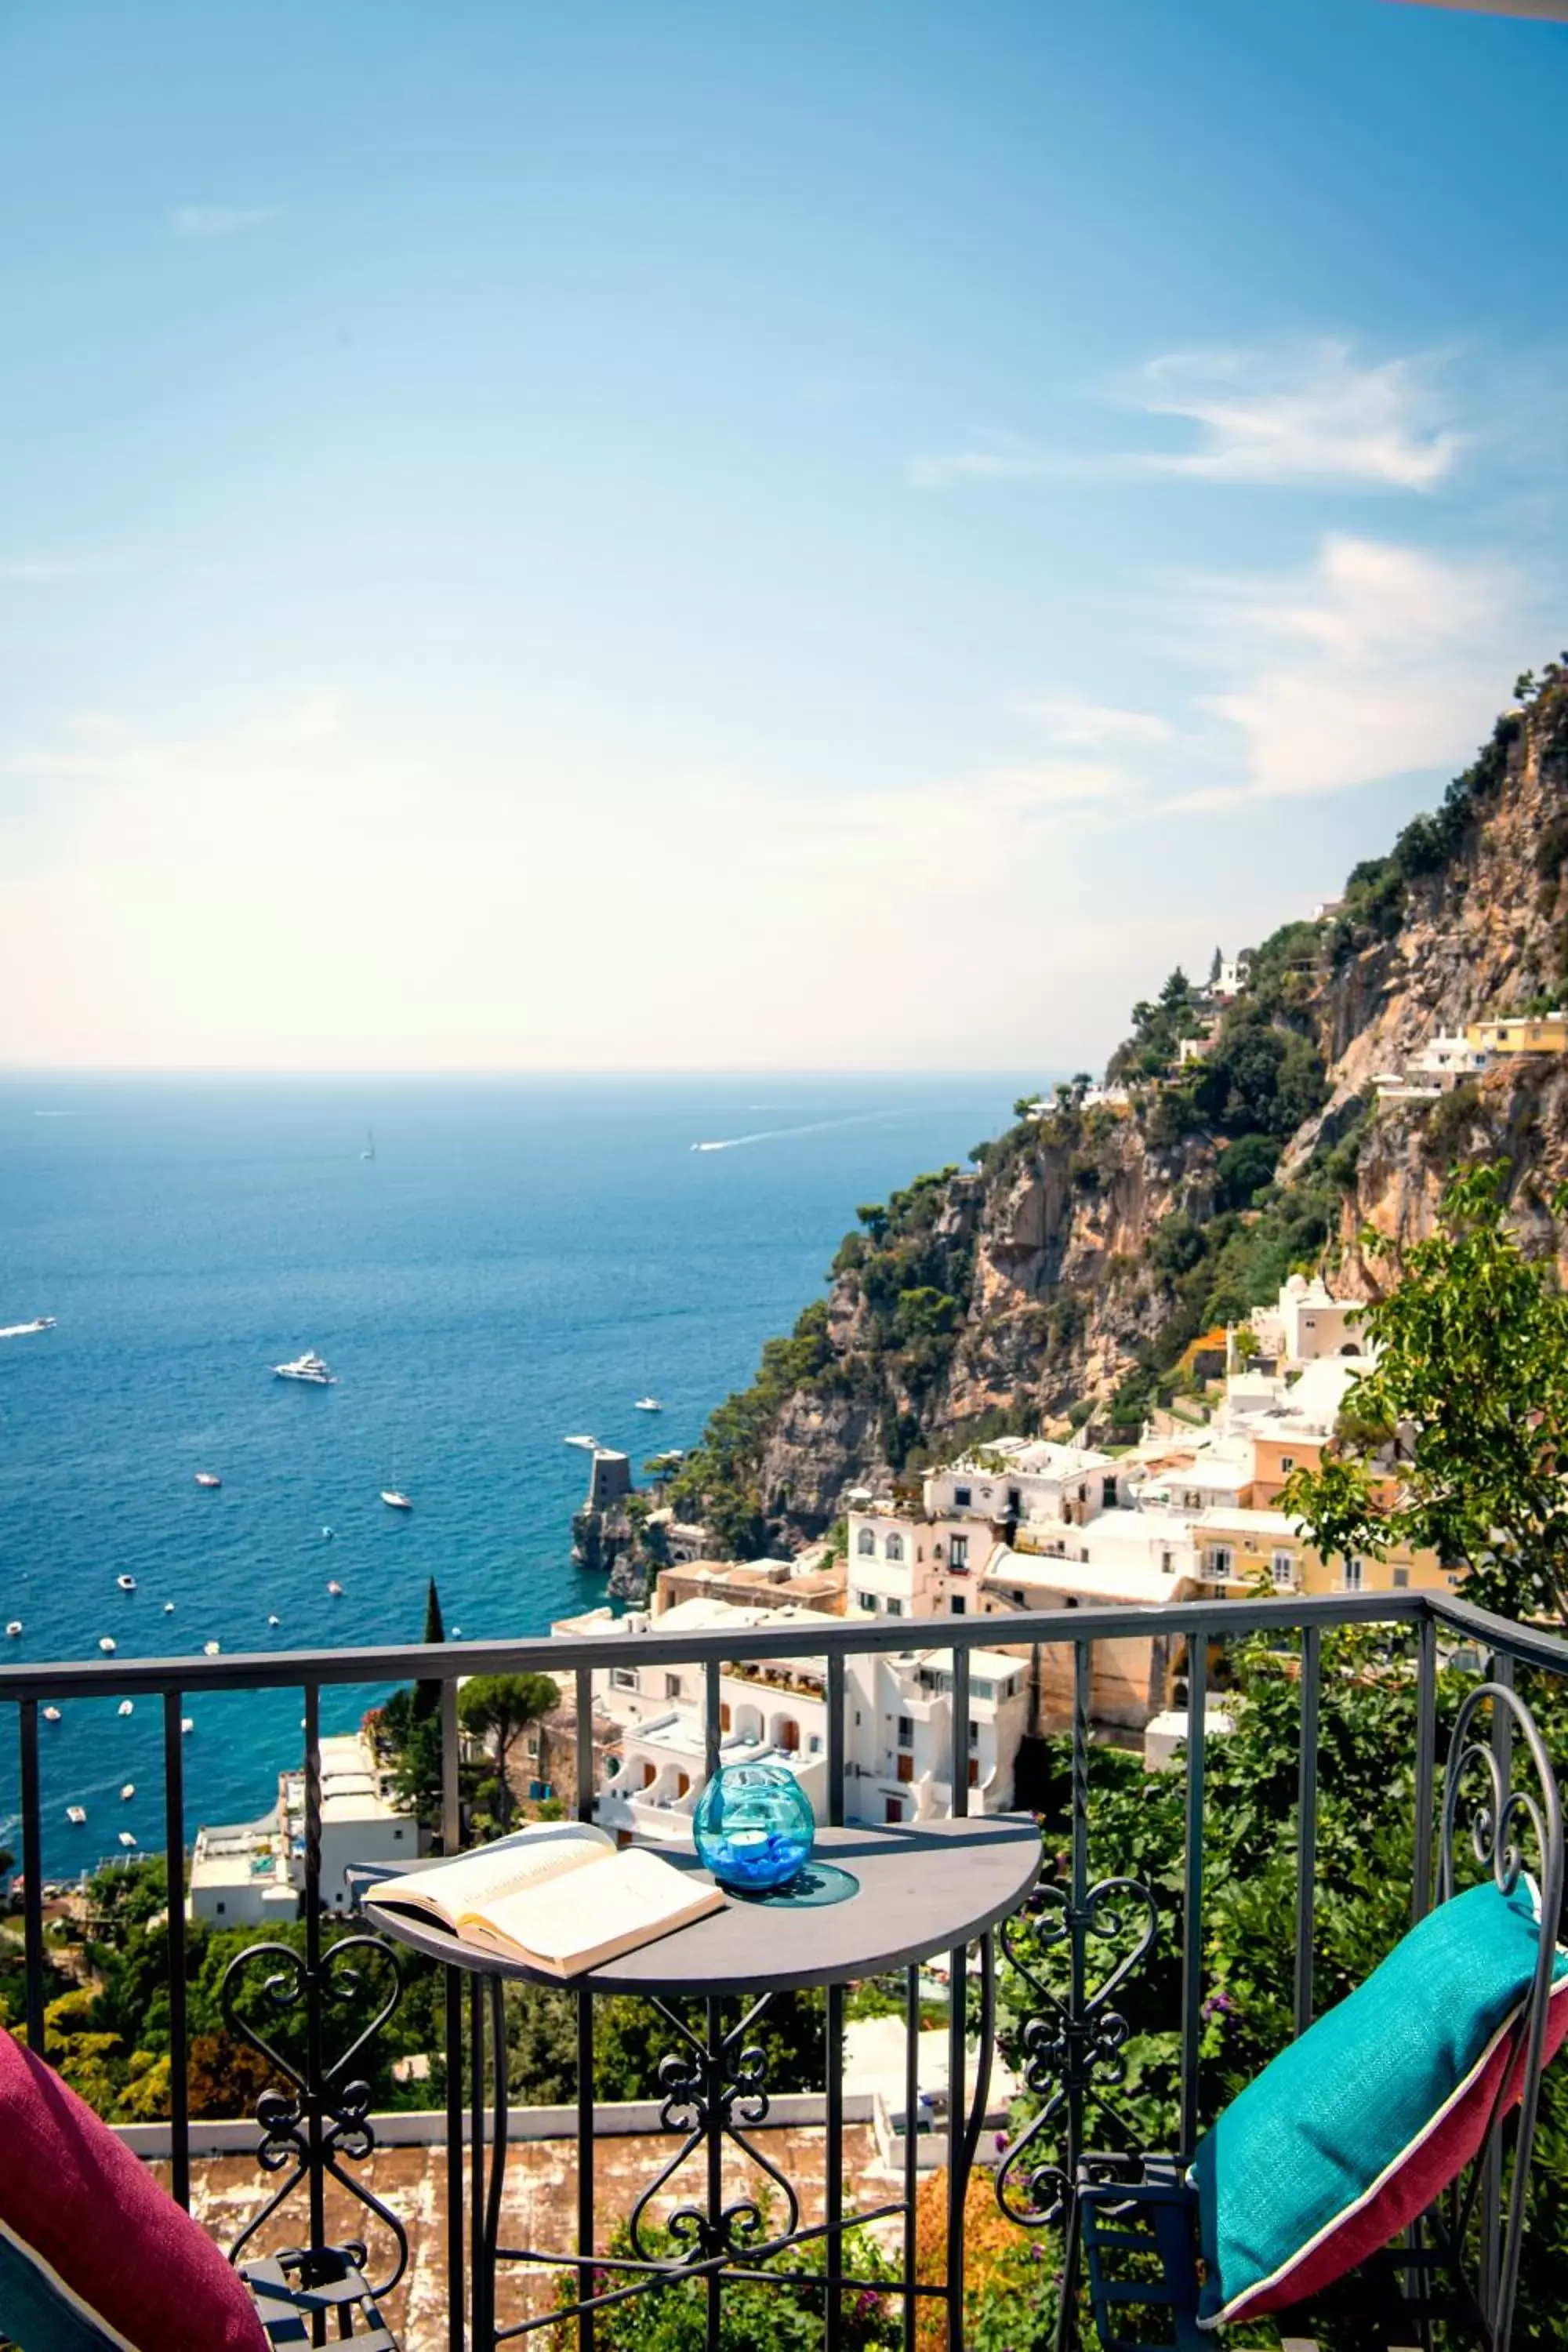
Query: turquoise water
[520,1260]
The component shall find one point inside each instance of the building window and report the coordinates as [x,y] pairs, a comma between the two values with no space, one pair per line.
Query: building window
[219,1907]
[672,1685]
[814,1745]
[531,1743]
[975,1735]
[975,1771]
[1015,1501]
[866,1543]
[960,1498]
[1352,1576]
[906,1732]
[1283,1567]
[958,1551]
[959,1605]
[1018,1600]
[906,1768]
[623,1678]
[894,1547]
[867,1600]
[895,1608]
[1222,1559]
[893,1810]
[1287,1464]
[723,1715]
[1401,1579]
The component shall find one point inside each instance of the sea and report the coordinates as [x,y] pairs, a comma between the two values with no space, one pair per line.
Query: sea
[487,1266]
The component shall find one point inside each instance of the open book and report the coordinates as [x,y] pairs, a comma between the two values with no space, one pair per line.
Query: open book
[559,1896]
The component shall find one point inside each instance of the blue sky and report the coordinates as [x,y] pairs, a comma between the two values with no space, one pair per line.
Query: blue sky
[670,535]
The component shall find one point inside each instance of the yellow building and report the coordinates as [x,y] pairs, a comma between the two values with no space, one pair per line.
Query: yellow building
[1241,1552]
[1541,1032]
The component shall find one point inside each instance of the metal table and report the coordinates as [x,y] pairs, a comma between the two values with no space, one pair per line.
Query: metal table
[933,1888]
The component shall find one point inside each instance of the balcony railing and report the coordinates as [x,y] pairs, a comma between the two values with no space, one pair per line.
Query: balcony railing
[319,2131]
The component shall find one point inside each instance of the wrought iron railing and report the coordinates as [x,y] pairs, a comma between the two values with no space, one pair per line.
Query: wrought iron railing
[318,2129]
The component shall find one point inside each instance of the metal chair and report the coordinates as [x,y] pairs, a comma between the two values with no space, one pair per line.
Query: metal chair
[1138,2216]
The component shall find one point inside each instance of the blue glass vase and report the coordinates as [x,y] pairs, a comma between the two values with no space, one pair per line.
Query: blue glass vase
[753,1827]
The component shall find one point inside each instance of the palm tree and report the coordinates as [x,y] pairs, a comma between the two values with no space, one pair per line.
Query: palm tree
[497,1708]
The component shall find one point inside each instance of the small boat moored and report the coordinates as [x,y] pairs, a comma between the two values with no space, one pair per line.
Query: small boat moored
[51,1715]
[76,1815]
[588,1444]
[187,1724]
[15,1629]
[127,1706]
[126,1584]
[127,1837]
[108,1645]
[128,1791]
[275,1620]
[168,1608]
[648,1405]
[396,1500]
[208,1478]
[335,1590]
[211,1649]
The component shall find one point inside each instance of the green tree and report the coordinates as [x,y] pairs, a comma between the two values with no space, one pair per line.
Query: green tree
[428,1696]
[1471,1378]
[497,1708]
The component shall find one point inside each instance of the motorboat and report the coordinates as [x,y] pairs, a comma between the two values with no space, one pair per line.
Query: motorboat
[187,1724]
[51,1715]
[14,1628]
[168,1608]
[211,1649]
[588,1444]
[25,1330]
[395,1501]
[275,1620]
[369,1151]
[127,1837]
[128,1791]
[76,1815]
[309,1367]
[108,1645]
[127,1706]
[648,1405]
[126,1584]
[336,1590]
[208,1478]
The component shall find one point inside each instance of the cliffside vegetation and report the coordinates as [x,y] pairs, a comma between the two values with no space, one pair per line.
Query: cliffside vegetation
[1059,1283]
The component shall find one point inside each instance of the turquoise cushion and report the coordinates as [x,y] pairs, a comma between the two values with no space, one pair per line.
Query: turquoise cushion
[1312,2140]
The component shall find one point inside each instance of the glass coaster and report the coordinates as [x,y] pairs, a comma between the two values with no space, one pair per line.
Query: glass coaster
[819,1884]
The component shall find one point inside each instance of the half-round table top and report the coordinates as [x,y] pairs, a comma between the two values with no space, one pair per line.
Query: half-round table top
[921,1890]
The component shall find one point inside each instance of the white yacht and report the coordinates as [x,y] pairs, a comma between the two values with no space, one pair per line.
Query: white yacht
[308,1368]
[648,1405]
[588,1444]
[396,1500]
[128,1791]
[51,1715]
[127,1838]
[25,1330]
[76,1815]
[208,1478]
[108,1645]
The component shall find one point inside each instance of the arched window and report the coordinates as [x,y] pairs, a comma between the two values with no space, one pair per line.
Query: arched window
[867,1543]
[895,1548]
[786,1734]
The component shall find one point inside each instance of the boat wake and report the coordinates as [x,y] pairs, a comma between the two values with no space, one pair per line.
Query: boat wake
[812,1126]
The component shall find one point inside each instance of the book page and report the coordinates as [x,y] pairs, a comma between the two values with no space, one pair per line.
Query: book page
[629,1900]
[546,1850]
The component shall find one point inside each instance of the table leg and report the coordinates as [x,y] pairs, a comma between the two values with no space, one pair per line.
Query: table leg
[482,2332]
[498,2147]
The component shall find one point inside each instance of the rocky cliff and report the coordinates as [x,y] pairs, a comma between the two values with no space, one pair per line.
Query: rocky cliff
[1058,1284]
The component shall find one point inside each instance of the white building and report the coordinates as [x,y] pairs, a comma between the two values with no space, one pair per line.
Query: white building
[897,1726]
[1307,1322]
[254,1871]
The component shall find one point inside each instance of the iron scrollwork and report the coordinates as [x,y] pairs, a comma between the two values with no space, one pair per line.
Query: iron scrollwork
[1072,2051]
[712,2087]
[321,2122]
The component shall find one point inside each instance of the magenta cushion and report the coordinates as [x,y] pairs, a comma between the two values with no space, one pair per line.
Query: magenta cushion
[86,2227]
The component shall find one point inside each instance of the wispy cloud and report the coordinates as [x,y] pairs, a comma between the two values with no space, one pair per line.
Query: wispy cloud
[220,220]
[1381,661]
[48,571]
[1069,719]
[1305,413]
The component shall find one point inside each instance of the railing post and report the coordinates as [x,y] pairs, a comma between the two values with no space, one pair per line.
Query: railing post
[451,1840]
[957,1995]
[314,2060]
[175,1880]
[1193,1898]
[32,1873]
[1307,1825]
[1425,1761]
[584,2000]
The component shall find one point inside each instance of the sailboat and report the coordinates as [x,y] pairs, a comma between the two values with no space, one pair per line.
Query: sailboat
[392,1494]
[369,1151]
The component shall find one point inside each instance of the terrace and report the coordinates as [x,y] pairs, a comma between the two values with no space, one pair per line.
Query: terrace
[317,2169]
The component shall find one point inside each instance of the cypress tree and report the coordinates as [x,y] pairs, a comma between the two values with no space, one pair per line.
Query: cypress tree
[428,1696]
